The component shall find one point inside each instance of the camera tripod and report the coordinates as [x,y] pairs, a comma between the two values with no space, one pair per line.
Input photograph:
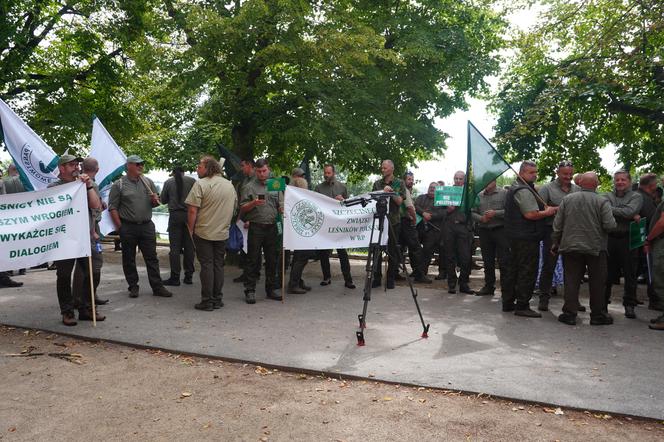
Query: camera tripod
[374,258]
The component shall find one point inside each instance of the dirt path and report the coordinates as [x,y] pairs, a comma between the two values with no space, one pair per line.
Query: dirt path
[112,392]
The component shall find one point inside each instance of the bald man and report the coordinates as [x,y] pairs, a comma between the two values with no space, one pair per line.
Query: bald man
[580,233]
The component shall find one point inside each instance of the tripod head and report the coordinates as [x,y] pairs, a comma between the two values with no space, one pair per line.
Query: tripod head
[364,199]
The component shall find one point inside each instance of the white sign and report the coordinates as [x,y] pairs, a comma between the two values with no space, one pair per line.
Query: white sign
[112,161]
[245,235]
[46,225]
[35,161]
[316,222]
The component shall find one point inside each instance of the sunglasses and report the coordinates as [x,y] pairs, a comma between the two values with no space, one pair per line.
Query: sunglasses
[565,163]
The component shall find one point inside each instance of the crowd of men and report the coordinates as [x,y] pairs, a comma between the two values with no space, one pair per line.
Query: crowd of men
[519,227]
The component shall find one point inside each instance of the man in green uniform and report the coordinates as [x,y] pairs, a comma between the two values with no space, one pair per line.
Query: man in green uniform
[130,204]
[524,225]
[626,205]
[211,204]
[655,245]
[647,189]
[457,237]
[68,166]
[260,208]
[431,225]
[389,183]
[489,216]
[580,234]
[239,180]
[552,194]
[408,237]
[333,188]
[174,193]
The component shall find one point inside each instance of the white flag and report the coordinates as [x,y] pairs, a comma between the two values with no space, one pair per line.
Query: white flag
[316,222]
[35,161]
[47,225]
[112,161]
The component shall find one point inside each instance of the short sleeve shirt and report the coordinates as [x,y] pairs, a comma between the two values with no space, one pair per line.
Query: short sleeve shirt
[526,201]
[132,199]
[265,214]
[215,198]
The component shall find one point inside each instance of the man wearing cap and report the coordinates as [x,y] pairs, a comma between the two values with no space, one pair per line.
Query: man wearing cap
[332,188]
[210,207]
[68,165]
[174,193]
[130,204]
[260,208]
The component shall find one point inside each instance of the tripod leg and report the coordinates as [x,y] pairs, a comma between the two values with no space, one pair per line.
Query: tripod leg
[374,259]
[413,292]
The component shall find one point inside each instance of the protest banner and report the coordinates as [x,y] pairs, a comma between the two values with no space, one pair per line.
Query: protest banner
[45,225]
[448,196]
[638,231]
[316,222]
[112,161]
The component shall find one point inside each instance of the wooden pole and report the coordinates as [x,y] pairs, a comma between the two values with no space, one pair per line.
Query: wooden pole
[533,191]
[92,292]
[283,274]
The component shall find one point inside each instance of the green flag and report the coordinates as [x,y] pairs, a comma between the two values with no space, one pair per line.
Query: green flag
[485,164]
[275,184]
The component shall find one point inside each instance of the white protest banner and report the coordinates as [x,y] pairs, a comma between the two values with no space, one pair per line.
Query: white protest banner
[46,225]
[112,161]
[35,161]
[316,222]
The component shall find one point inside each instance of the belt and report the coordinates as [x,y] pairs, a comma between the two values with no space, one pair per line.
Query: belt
[138,223]
[261,225]
[491,228]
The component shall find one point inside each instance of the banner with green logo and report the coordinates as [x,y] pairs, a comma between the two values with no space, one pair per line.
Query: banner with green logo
[275,184]
[316,222]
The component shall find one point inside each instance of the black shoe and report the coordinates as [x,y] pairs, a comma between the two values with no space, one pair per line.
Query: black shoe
[566,318]
[509,307]
[273,296]
[250,298]
[543,305]
[463,288]
[325,282]
[423,280]
[188,280]
[8,282]
[240,278]
[162,292]
[582,308]
[389,284]
[451,288]
[296,291]
[100,301]
[217,304]
[304,287]
[376,283]
[629,312]
[485,291]
[133,292]
[657,319]
[604,319]
[527,313]
[205,306]
[172,281]
[349,285]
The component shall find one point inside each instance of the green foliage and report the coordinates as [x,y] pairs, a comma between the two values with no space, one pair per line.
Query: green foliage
[589,75]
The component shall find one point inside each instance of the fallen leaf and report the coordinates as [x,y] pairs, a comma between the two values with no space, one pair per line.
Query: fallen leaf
[387,398]
[185,394]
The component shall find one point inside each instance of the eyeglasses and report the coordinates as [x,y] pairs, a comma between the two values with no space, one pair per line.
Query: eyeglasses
[140,164]
[565,163]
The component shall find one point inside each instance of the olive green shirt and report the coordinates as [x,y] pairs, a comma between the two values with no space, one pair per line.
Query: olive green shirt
[624,208]
[332,189]
[399,188]
[526,200]
[169,194]
[582,223]
[265,214]
[216,199]
[423,203]
[552,193]
[132,199]
[490,201]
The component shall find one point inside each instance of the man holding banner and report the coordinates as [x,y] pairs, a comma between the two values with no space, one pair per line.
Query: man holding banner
[68,166]
[458,237]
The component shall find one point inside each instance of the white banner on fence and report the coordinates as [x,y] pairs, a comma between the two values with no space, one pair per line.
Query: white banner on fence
[316,222]
[45,225]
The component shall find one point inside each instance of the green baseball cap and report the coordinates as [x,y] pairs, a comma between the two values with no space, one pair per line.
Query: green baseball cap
[134,159]
[68,158]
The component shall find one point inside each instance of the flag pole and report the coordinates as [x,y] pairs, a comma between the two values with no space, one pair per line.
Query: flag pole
[92,292]
[283,273]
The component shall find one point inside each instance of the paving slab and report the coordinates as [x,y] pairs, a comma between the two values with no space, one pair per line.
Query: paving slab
[472,345]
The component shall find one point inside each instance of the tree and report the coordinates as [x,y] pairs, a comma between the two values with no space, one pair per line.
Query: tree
[63,61]
[589,75]
[349,81]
